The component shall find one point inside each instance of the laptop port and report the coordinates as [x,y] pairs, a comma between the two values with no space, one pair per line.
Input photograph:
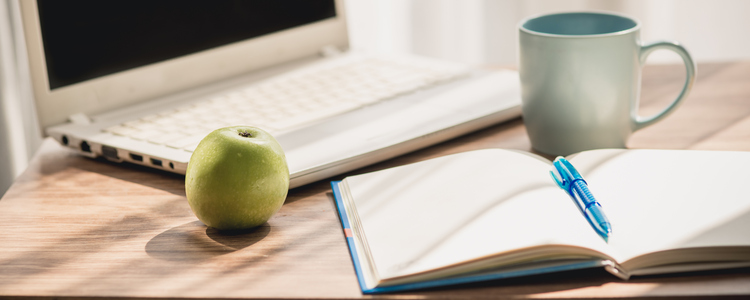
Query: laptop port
[171,165]
[136,157]
[85,147]
[109,152]
[156,162]
[65,140]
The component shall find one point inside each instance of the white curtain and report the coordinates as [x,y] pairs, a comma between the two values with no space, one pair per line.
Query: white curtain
[484,31]
[19,133]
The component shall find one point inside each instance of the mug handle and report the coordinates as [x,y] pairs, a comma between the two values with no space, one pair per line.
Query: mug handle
[641,122]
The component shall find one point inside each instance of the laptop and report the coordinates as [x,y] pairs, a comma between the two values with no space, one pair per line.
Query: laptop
[143,81]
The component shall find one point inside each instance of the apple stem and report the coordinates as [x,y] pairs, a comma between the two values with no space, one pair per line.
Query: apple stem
[245,134]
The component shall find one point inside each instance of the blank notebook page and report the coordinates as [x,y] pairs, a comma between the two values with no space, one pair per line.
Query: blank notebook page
[665,199]
[463,206]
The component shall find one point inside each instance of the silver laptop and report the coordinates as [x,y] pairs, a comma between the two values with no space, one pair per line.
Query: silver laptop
[144,83]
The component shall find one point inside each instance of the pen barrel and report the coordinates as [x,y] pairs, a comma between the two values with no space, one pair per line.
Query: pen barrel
[592,208]
[583,191]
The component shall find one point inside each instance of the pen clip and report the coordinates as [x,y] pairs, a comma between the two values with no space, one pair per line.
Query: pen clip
[560,182]
[562,177]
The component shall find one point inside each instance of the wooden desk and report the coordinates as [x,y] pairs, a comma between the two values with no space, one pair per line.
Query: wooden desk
[75,227]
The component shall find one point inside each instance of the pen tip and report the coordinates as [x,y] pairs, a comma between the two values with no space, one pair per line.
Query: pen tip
[606,230]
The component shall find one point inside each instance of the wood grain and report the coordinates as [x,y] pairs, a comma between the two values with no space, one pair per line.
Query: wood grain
[73,227]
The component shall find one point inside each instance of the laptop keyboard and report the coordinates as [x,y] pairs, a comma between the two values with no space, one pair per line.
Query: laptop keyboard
[288,102]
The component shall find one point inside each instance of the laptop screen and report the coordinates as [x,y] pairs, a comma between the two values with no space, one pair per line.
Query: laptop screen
[88,39]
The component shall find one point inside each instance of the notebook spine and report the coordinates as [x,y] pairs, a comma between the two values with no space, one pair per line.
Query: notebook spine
[615,269]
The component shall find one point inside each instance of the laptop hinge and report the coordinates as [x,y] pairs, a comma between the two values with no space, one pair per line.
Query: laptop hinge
[330,51]
[79,119]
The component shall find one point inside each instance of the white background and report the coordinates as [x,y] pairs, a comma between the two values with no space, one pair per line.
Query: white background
[484,31]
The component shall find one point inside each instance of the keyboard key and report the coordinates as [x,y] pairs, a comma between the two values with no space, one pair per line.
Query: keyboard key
[164,138]
[192,130]
[313,116]
[141,125]
[191,147]
[185,141]
[121,130]
[144,135]
[150,118]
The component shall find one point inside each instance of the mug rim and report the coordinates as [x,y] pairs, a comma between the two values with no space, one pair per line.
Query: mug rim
[569,36]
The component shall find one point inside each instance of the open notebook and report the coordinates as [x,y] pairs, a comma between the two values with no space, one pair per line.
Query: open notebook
[492,214]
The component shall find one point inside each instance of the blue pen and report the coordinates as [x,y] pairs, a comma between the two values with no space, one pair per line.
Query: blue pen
[574,184]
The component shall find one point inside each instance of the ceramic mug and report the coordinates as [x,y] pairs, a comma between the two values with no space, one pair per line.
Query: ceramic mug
[581,77]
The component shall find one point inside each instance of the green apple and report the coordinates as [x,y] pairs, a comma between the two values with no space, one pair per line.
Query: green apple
[237,178]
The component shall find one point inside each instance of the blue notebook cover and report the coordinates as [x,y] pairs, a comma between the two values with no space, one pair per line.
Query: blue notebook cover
[439,282]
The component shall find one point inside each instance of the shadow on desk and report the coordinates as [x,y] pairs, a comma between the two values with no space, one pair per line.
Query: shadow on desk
[193,241]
